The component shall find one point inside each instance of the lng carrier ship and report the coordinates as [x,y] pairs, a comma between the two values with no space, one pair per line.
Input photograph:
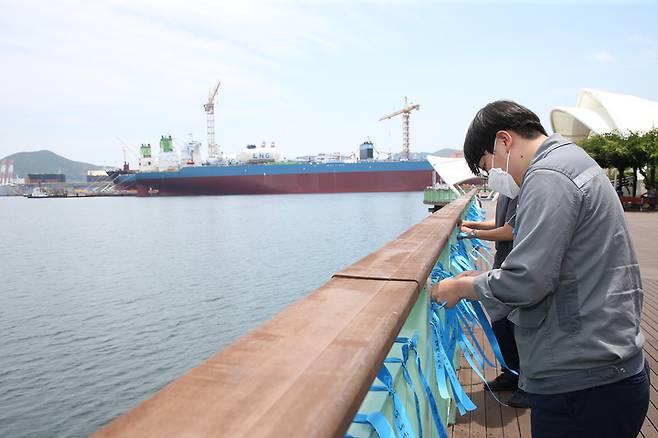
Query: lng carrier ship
[259,170]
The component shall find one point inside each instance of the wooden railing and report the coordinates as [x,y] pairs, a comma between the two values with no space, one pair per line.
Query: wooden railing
[307,371]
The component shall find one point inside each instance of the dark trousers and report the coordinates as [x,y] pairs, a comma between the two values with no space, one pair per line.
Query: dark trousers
[504,331]
[616,410]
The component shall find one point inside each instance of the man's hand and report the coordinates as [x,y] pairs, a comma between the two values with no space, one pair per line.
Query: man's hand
[466,232]
[446,292]
[468,274]
[451,290]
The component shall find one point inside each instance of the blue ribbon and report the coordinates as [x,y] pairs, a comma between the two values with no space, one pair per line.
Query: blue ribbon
[410,345]
[446,335]
[378,422]
[474,212]
[443,364]
[491,337]
[410,385]
[400,417]
[464,304]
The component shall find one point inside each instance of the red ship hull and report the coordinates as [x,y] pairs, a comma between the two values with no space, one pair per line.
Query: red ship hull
[403,181]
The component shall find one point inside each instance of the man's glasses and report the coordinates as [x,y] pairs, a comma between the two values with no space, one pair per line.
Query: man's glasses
[481,172]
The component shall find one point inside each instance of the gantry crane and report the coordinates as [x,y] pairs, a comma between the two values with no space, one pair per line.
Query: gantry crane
[408,108]
[213,152]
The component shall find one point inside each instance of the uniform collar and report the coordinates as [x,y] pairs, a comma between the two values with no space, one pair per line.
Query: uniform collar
[554,141]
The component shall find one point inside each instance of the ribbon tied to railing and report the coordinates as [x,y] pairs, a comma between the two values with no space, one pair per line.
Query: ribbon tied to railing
[449,329]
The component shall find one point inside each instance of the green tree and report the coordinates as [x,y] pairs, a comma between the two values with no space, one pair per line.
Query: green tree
[637,154]
[609,150]
[635,150]
[595,146]
[650,145]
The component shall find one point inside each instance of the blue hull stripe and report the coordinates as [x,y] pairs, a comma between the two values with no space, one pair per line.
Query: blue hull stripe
[288,169]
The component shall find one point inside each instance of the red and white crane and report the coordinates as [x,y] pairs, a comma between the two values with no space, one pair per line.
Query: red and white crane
[213,151]
[408,108]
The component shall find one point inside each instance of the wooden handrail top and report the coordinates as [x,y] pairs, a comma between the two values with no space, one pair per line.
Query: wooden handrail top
[411,256]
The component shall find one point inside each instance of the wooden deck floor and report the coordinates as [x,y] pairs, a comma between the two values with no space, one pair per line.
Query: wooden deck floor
[494,420]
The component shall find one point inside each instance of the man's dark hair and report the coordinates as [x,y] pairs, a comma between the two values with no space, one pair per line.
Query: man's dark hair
[499,115]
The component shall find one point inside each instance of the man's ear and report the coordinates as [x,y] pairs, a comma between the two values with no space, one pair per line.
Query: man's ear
[504,138]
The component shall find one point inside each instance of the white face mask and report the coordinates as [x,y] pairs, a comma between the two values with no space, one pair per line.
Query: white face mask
[500,181]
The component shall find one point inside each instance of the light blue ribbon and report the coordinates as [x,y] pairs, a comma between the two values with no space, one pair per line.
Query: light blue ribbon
[400,417]
[377,421]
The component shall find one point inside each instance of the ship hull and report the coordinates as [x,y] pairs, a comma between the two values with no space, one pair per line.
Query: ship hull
[288,179]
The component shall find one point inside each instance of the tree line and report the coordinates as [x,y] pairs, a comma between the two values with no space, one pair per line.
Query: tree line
[626,150]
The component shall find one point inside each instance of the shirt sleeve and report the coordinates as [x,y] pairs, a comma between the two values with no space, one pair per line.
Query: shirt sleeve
[549,205]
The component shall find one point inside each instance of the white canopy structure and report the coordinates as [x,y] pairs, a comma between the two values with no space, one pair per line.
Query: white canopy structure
[452,171]
[598,112]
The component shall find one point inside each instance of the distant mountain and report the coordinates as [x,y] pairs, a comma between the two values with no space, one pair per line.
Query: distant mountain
[445,152]
[49,162]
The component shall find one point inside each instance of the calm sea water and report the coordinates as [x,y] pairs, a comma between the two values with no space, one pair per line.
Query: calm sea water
[104,301]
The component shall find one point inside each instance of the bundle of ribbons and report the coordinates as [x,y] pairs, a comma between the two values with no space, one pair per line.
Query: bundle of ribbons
[450,328]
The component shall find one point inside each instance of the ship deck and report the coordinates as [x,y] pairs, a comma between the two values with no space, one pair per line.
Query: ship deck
[494,420]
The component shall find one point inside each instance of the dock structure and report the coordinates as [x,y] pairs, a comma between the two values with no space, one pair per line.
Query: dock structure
[307,372]
[438,197]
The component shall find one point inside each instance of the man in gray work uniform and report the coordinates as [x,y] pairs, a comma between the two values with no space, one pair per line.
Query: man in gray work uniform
[501,231]
[571,284]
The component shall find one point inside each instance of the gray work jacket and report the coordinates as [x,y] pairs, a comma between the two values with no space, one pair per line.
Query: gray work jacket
[571,284]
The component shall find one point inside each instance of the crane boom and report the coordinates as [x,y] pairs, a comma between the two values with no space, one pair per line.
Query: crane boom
[213,93]
[406,111]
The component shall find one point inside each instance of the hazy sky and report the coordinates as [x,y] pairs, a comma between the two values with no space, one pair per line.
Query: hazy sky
[314,76]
